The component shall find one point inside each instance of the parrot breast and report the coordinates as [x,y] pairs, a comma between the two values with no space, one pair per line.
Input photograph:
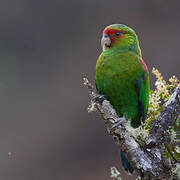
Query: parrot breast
[116,76]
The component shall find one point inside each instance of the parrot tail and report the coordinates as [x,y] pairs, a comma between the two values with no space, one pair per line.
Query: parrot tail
[125,163]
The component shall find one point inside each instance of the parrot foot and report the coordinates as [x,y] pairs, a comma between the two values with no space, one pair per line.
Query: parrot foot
[100,98]
[118,122]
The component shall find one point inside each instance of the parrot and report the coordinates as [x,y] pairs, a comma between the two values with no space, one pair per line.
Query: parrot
[122,76]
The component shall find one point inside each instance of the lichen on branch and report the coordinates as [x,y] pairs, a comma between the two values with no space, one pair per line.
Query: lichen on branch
[148,160]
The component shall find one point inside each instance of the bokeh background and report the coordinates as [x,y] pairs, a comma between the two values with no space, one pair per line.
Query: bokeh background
[46,47]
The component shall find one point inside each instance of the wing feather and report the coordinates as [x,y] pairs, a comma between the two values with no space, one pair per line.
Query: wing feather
[142,85]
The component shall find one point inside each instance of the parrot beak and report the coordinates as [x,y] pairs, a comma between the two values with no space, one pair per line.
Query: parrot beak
[105,42]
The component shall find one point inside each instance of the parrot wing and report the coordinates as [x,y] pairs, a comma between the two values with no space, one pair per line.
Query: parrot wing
[142,85]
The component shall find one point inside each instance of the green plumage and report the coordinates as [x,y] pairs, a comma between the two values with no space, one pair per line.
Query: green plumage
[122,76]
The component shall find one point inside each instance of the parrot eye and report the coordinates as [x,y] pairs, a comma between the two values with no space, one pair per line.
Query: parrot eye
[117,34]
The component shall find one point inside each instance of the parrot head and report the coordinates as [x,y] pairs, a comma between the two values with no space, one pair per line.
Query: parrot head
[120,36]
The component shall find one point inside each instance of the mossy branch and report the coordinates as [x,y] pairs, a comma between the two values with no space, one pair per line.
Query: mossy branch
[148,160]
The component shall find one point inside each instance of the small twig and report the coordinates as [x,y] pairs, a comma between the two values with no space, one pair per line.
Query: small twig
[91,88]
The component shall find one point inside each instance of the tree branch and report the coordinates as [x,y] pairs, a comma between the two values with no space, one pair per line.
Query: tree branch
[147,161]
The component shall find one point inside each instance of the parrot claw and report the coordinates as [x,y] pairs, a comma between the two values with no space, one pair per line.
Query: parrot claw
[100,98]
[119,121]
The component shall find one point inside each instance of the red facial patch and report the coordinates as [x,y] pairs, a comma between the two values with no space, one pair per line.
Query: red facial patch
[111,32]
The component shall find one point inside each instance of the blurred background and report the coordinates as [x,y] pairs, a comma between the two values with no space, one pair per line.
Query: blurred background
[46,47]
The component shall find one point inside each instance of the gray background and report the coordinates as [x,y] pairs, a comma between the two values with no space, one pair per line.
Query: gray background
[46,47]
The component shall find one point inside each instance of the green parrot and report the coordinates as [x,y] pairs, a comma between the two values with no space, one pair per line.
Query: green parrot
[122,76]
